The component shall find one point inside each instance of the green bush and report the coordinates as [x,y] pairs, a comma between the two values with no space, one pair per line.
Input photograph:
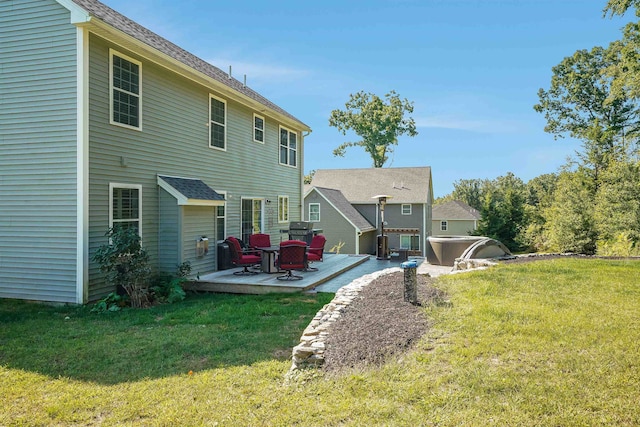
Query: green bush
[168,288]
[126,264]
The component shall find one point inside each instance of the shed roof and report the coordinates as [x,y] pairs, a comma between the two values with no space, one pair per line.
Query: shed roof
[455,209]
[337,199]
[190,191]
[404,185]
[104,13]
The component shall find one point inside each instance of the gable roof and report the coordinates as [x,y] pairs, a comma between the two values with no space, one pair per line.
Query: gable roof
[404,185]
[342,205]
[103,13]
[190,191]
[455,209]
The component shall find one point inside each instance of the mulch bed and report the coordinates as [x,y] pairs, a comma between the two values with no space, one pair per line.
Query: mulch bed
[378,324]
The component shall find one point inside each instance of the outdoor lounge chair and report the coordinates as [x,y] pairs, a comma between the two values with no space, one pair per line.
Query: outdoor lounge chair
[242,258]
[259,240]
[315,252]
[292,256]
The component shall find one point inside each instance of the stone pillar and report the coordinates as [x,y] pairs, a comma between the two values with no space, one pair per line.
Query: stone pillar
[410,282]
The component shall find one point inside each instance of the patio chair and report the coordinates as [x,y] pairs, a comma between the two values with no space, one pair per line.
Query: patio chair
[292,256]
[315,252]
[259,240]
[242,258]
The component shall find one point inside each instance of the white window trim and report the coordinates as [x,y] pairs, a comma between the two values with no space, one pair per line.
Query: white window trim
[264,130]
[280,199]
[113,52]
[113,185]
[224,101]
[222,193]
[444,225]
[402,209]
[288,149]
[314,204]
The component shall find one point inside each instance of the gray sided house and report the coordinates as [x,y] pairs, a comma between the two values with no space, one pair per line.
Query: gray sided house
[346,230]
[407,213]
[104,123]
[454,218]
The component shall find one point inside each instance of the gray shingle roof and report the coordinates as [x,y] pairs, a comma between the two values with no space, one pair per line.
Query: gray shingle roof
[148,37]
[454,209]
[337,199]
[193,189]
[404,185]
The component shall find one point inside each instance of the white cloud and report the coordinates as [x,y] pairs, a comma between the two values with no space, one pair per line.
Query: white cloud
[472,125]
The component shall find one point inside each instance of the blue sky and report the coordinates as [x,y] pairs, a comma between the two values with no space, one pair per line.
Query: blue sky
[472,68]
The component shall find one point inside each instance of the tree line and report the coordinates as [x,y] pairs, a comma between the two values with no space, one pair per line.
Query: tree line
[591,205]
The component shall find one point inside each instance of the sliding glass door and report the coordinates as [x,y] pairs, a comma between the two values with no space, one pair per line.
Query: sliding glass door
[251,217]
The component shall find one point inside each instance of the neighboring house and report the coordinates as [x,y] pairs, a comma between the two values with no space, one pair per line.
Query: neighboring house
[345,229]
[104,123]
[454,218]
[407,213]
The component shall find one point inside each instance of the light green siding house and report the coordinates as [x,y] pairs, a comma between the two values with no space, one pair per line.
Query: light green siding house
[104,122]
[454,218]
[407,211]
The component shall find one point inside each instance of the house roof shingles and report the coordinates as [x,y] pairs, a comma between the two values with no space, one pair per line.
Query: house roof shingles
[404,185]
[148,37]
[455,210]
[337,199]
[192,188]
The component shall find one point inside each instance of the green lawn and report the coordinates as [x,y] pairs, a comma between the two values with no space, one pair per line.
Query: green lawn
[552,343]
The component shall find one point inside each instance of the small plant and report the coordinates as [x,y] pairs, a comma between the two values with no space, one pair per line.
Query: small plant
[168,288]
[112,302]
[126,264]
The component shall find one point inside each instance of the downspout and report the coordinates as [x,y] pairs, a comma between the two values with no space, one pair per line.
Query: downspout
[302,216]
[358,234]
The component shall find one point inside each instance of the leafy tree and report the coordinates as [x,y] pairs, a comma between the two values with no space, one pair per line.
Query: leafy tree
[619,7]
[378,122]
[503,212]
[579,103]
[617,203]
[309,178]
[539,195]
[569,225]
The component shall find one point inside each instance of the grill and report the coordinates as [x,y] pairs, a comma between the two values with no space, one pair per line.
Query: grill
[301,230]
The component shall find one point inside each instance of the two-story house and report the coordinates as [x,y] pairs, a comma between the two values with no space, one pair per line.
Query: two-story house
[342,203]
[103,122]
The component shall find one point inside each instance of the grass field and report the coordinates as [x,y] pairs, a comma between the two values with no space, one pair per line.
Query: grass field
[552,343]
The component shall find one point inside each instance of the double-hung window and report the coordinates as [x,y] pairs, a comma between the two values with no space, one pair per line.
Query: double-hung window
[288,147]
[283,208]
[125,80]
[125,206]
[444,225]
[314,212]
[258,128]
[217,123]
[406,209]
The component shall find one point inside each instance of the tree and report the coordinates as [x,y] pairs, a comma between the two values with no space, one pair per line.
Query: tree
[503,212]
[619,7]
[539,196]
[579,103]
[378,122]
[569,224]
[470,191]
[309,178]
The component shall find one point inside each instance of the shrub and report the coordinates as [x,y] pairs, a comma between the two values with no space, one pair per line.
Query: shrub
[168,288]
[126,264]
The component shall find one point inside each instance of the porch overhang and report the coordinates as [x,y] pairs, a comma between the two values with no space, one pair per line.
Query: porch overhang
[190,191]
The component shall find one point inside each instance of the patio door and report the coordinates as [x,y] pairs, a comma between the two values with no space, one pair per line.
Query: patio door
[251,217]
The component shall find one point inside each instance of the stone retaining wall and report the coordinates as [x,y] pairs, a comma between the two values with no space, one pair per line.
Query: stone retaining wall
[310,351]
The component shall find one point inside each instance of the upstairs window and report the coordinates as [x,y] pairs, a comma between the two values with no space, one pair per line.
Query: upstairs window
[217,123]
[283,208]
[314,212]
[406,209]
[258,128]
[125,81]
[288,147]
[443,225]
